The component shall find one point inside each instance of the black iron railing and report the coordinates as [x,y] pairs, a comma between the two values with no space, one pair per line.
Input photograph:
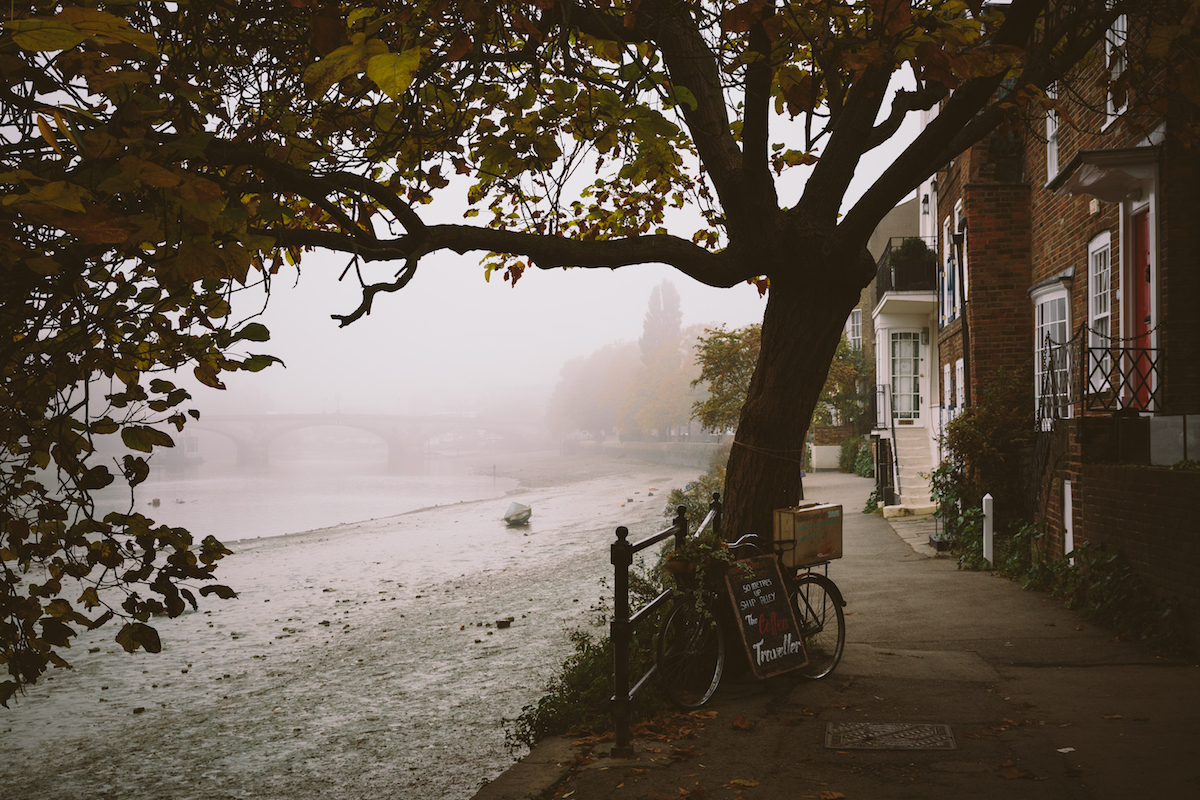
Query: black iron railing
[622,625]
[908,264]
[887,456]
[1120,375]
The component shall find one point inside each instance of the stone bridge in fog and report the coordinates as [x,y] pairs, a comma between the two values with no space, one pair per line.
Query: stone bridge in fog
[404,435]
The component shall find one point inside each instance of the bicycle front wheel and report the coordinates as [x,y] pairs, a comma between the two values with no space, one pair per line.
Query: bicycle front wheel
[691,655]
[822,623]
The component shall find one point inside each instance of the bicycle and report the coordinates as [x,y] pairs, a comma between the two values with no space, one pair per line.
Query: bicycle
[690,652]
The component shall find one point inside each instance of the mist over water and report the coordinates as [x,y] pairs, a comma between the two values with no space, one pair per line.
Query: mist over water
[303,488]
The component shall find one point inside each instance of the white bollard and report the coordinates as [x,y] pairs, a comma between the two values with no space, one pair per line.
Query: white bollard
[987,529]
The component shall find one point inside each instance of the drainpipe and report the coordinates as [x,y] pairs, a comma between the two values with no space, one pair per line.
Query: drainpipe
[960,240]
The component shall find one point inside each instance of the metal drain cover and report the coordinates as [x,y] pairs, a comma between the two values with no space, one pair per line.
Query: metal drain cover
[888,736]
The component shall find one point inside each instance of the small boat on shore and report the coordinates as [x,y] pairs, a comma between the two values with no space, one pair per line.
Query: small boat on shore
[518,514]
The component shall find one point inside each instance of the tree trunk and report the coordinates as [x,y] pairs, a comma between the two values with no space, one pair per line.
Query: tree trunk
[801,328]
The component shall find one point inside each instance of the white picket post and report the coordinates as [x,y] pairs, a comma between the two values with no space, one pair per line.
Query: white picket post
[987,529]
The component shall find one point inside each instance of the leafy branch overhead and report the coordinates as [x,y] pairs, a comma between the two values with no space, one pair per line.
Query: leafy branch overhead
[158,157]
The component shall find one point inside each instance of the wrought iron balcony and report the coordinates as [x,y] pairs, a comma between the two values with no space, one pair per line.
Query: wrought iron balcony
[1122,375]
[1125,375]
[909,264]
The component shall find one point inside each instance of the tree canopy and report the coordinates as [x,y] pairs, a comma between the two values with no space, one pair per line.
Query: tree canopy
[158,155]
[727,361]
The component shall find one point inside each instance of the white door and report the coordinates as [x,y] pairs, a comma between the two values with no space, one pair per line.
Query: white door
[906,377]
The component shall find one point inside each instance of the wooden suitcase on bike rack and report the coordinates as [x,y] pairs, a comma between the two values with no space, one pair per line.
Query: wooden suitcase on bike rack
[809,533]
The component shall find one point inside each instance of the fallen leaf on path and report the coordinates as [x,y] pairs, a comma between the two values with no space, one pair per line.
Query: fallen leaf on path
[743,782]
[680,753]
[634,771]
[831,795]
[1013,772]
[741,722]
[1111,716]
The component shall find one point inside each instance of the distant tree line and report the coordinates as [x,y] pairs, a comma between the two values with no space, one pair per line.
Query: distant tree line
[637,391]
[674,376]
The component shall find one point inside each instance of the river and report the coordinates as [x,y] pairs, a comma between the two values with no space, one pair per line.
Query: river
[303,489]
[358,661]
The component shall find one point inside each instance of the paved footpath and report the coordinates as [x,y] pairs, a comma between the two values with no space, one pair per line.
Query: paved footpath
[1039,703]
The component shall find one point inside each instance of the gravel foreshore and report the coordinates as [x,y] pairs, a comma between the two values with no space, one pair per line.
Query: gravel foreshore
[359,661]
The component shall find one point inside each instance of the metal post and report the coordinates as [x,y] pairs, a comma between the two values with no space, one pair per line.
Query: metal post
[988,528]
[621,556]
[680,524]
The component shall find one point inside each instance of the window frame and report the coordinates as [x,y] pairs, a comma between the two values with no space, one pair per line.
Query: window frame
[1052,125]
[1100,320]
[1060,403]
[1116,39]
[854,329]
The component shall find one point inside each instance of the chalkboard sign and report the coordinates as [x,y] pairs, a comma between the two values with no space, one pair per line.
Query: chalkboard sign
[765,618]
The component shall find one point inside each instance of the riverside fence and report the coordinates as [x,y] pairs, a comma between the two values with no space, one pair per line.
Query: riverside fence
[622,625]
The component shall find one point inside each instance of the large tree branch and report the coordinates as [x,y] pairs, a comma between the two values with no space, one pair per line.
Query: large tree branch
[545,252]
[757,114]
[974,109]
[904,102]
[693,65]
[847,142]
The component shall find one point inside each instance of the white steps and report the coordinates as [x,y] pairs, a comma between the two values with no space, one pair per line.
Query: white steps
[915,462]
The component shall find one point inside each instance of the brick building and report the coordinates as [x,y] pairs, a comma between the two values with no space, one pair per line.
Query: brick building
[1069,260]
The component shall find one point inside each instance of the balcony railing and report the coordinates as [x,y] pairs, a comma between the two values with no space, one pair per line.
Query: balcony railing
[1122,375]
[908,264]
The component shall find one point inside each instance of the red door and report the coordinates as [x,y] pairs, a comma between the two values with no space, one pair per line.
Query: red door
[1141,381]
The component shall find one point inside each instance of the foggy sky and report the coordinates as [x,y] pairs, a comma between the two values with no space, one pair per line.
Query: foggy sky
[451,342]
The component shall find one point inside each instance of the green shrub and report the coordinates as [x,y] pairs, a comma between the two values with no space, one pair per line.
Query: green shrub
[697,495]
[848,455]
[864,462]
[988,442]
[1100,585]
[577,698]
[872,502]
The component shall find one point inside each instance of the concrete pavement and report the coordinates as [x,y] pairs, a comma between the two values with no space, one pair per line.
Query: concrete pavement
[1039,703]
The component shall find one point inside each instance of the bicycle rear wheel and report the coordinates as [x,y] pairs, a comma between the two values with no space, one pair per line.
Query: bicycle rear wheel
[691,655]
[822,623]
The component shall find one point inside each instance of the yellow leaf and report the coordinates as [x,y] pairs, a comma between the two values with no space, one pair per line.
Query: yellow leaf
[44,35]
[149,173]
[64,128]
[59,194]
[743,782]
[393,72]
[347,60]
[48,134]
[103,25]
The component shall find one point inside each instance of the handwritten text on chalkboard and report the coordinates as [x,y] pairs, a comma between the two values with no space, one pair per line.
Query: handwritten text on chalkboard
[767,624]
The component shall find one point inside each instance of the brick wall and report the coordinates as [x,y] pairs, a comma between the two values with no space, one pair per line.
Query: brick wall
[1179,278]
[832,435]
[1149,515]
[999,314]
